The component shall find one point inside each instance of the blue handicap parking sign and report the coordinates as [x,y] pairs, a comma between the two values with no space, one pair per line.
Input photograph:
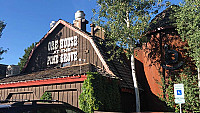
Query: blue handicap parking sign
[179,92]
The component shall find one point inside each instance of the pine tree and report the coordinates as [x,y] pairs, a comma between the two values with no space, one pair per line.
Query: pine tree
[2,26]
[25,57]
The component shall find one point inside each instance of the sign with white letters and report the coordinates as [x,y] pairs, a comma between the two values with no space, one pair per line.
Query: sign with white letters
[62,51]
[179,93]
[179,90]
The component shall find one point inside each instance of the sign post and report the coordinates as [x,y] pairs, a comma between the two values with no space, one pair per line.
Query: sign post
[179,94]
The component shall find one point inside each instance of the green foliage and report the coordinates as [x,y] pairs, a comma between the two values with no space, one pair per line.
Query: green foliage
[2,26]
[168,90]
[1,52]
[46,96]
[187,22]
[191,90]
[99,93]
[25,57]
[190,80]
[124,21]
[188,26]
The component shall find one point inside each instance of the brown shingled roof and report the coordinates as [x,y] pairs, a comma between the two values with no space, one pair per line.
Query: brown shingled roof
[163,19]
[113,67]
[51,73]
[117,65]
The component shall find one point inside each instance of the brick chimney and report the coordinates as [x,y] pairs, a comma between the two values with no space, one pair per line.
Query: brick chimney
[80,20]
[92,29]
[99,32]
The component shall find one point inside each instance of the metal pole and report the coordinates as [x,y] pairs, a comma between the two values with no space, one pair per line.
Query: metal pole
[180,108]
[162,62]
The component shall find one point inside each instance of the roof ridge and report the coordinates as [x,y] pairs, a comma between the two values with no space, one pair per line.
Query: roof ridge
[79,31]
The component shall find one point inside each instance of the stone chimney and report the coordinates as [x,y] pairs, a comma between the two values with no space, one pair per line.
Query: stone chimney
[80,20]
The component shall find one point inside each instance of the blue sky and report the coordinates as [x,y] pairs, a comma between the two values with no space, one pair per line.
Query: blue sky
[27,21]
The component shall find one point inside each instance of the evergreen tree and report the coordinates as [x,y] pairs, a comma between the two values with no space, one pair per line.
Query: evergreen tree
[25,57]
[2,26]
[125,21]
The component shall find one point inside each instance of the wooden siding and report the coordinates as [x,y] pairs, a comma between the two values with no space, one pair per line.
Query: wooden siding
[85,51]
[60,93]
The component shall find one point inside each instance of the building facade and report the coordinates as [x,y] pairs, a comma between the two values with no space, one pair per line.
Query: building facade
[60,61]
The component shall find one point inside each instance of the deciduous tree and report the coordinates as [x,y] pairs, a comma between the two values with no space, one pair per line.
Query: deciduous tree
[188,26]
[125,21]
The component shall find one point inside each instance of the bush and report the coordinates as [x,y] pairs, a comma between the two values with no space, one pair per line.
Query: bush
[191,91]
[46,96]
[99,93]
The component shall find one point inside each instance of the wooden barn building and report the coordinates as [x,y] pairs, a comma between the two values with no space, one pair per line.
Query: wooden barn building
[60,61]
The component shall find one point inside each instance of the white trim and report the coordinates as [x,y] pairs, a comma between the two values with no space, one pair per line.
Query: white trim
[92,43]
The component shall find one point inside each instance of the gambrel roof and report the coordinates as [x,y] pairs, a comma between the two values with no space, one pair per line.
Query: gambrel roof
[114,67]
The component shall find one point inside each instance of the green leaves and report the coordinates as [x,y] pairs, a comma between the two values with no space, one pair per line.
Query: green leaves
[190,80]
[25,57]
[2,26]
[46,96]
[187,22]
[86,99]
[1,52]
[99,93]
[124,21]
